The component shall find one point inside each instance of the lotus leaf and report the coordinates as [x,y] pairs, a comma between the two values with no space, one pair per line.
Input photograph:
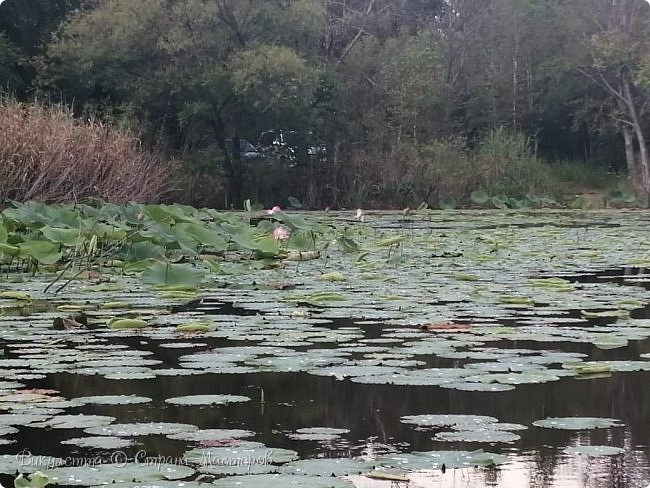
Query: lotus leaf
[107,474]
[207,399]
[577,423]
[595,450]
[281,481]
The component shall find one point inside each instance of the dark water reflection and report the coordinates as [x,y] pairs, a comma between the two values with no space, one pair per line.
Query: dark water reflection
[297,400]
[372,412]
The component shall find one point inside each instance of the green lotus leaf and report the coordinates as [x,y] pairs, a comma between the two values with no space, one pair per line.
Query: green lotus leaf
[67,237]
[44,252]
[391,241]
[479,197]
[194,327]
[141,251]
[34,480]
[117,323]
[618,314]
[16,295]
[161,273]
[609,341]
[9,250]
[333,276]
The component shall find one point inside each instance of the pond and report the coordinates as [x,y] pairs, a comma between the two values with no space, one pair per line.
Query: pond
[441,349]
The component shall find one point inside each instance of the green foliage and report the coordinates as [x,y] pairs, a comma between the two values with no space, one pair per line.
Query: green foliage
[169,245]
[10,60]
[273,78]
[416,101]
[479,197]
[508,165]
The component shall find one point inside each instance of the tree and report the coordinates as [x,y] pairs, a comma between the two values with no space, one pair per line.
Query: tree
[24,28]
[614,36]
[187,69]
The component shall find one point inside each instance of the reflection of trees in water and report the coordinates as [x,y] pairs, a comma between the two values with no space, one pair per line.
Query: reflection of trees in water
[300,400]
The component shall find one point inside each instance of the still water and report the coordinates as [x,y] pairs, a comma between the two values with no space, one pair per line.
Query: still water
[283,401]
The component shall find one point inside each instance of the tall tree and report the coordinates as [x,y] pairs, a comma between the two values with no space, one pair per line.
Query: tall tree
[615,37]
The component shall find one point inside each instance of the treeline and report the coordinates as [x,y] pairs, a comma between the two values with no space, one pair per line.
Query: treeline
[414,100]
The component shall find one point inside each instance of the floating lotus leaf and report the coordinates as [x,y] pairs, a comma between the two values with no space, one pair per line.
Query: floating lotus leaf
[107,474]
[156,484]
[323,430]
[6,430]
[478,435]
[79,421]
[100,442]
[327,467]
[477,386]
[16,295]
[281,481]
[333,276]
[595,450]
[141,429]
[418,461]
[131,375]
[212,435]
[127,324]
[112,400]
[447,420]
[22,418]
[341,372]
[617,314]
[318,434]
[194,327]
[207,399]
[577,423]
[609,341]
[183,345]
[249,453]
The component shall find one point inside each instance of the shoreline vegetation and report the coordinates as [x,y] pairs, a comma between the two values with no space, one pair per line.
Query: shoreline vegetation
[49,155]
[328,104]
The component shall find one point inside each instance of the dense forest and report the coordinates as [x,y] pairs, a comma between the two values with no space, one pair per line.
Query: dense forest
[392,102]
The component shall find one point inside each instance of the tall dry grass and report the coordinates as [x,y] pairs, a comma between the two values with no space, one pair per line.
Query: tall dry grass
[48,155]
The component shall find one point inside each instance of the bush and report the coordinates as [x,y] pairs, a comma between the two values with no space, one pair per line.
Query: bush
[507,165]
[47,155]
[502,164]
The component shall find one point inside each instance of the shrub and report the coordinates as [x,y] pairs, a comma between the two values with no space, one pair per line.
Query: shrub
[507,165]
[503,163]
[48,155]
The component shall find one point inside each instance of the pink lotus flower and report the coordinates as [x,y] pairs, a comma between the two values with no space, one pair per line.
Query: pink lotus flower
[274,210]
[281,233]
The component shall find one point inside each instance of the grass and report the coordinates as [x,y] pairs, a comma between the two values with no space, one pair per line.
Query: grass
[48,155]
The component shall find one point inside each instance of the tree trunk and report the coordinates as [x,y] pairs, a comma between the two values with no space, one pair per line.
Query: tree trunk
[630,153]
[644,162]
